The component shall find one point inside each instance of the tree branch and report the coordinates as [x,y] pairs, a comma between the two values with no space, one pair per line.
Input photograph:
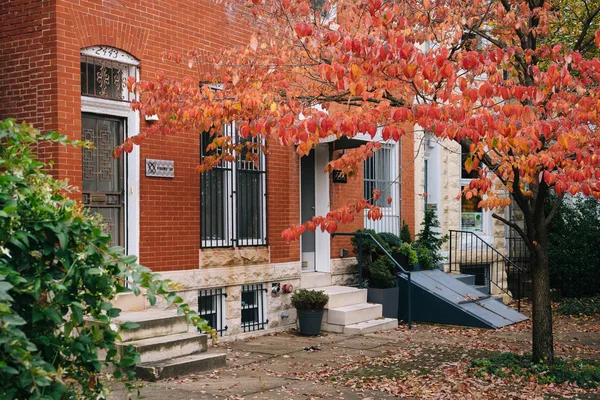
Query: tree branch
[586,26]
[516,227]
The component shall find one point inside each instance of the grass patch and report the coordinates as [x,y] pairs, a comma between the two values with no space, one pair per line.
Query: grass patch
[578,307]
[585,373]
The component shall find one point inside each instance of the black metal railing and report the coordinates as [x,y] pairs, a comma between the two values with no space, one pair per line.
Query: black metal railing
[233,196]
[401,271]
[253,307]
[471,254]
[211,306]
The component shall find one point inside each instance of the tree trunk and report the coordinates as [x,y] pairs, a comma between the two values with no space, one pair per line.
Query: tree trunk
[542,338]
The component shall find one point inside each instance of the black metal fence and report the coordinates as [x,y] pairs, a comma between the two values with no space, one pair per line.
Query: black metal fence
[233,197]
[254,316]
[211,307]
[470,254]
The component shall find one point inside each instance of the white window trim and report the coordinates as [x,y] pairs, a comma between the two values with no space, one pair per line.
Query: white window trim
[393,209]
[486,215]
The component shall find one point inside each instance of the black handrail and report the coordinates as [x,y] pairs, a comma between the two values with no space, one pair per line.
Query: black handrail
[401,270]
[475,259]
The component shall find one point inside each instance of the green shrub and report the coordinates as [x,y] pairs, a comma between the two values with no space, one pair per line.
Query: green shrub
[577,307]
[379,273]
[406,249]
[428,238]
[390,239]
[506,365]
[425,256]
[574,248]
[405,235]
[313,300]
[58,275]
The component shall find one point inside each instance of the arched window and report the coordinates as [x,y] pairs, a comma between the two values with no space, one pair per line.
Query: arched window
[105,71]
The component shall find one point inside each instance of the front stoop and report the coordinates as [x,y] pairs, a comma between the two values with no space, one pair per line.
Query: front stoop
[166,346]
[309,280]
[348,312]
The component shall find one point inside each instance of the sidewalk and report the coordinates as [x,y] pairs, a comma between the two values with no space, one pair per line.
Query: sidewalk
[426,362]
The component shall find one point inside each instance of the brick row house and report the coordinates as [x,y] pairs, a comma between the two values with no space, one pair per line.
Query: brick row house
[64,66]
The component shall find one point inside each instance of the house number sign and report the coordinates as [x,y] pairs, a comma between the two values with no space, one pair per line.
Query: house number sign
[160,168]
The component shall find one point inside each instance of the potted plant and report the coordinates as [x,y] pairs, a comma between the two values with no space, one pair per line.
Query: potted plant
[310,305]
[379,271]
[405,255]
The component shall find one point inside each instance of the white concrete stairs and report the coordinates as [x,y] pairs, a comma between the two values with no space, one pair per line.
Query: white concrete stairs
[166,346]
[348,312]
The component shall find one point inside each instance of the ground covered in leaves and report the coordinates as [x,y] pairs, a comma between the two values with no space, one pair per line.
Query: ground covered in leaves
[427,362]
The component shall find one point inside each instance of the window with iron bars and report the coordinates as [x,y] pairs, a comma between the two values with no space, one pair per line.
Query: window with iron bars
[233,196]
[211,307]
[380,172]
[254,315]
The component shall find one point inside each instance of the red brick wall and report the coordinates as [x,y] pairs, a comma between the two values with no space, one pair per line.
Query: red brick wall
[283,201]
[40,41]
[407,166]
[28,65]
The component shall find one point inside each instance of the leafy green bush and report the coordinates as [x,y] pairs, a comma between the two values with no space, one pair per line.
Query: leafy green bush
[574,248]
[58,275]
[379,273]
[506,365]
[576,307]
[390,239]
[313,300]
[424,256]
[406,249]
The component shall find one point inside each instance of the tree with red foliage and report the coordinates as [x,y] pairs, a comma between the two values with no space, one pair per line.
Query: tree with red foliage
[524,104]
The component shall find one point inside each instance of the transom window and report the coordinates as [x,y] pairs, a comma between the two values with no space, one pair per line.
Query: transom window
[233,196]
[105,71]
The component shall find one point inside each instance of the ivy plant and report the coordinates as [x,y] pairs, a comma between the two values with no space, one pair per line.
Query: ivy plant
[58,275]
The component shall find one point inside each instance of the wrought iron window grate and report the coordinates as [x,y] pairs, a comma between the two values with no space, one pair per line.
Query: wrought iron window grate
[233,196]
[106,79]
[254,307]
[211,307]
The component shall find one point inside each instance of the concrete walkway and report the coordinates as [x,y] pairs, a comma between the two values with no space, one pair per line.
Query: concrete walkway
[286,365]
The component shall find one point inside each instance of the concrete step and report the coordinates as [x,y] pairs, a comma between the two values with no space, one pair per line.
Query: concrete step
[171,346]
[342,296]
[129,302]
[180,366]
[482,288]
[153,323]
[374,325]
[354,314]
[465,278]
[309,280]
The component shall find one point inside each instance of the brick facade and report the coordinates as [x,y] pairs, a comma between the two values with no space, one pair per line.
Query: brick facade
[40,43]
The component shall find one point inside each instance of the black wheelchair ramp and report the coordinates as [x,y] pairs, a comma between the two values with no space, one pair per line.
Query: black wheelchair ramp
[440,298]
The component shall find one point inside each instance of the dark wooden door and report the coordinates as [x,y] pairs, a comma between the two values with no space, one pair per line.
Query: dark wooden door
[103,175]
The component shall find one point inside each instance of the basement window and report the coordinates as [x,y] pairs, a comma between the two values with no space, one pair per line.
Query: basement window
[211,308]
[254,316]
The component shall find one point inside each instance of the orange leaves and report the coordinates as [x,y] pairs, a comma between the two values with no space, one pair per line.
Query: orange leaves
[302,29]
[597,38]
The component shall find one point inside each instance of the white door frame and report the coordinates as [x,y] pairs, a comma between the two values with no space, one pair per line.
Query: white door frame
[322,207]
[132,165]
